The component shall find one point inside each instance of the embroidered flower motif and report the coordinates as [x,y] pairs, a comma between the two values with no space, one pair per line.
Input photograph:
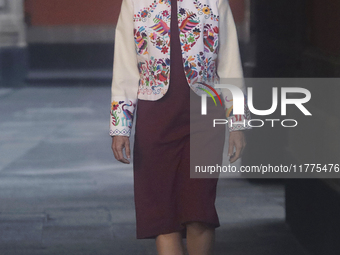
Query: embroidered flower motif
[196,31]
[165,13]
[191,39]
[206,10]
[114,105]
[187,47]
[144,13]
[165,50]
[182,11]
[152,36]
[159,42]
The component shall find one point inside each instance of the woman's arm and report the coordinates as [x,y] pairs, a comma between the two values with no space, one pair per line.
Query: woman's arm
[124,83]
[125,74]
[229,69]
[229,66]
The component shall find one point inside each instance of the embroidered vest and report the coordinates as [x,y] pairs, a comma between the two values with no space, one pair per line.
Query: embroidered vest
[198,27]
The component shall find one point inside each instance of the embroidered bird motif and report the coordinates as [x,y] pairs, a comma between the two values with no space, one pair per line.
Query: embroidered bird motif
[189,68]
[128,114]
[188,23]
[141,42]
[209,37]
[163,76]
[161,26]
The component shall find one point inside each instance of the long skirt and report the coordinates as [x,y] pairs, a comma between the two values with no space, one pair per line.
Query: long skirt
[165,196]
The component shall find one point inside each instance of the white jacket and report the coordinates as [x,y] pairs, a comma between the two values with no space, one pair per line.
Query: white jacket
[141,67]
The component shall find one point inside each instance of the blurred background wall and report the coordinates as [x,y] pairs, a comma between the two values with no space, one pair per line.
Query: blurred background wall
[12,42]
[65,38]
[70,39]
[73,40]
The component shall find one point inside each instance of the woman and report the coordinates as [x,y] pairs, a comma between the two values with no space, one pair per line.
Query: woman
[161,47]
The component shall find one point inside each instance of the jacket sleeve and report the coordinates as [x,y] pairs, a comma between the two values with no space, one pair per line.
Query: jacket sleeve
[229,66]
[125,78]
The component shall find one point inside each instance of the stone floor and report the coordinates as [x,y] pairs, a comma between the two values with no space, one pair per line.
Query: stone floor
[62,192]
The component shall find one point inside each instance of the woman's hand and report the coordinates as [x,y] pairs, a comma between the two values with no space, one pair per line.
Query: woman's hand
[118,144]
[237,139]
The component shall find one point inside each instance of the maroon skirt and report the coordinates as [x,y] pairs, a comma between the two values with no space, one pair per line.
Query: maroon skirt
[165,196]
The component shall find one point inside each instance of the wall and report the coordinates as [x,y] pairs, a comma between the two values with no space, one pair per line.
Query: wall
[78,35]
[72,12]
[12,43]
[53,12]
[86,21]
[12,30]
[324,20]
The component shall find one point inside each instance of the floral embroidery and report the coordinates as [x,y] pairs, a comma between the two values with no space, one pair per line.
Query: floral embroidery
[187,47]
[207,65]
[196,31]
[182,11]
[121,114]
[154,76]
[146,12]
[114,105]
[165,13]
[165,49]
[168,2]
[206,10]
[200,66]
[161,32]
[189,27]
[198,27]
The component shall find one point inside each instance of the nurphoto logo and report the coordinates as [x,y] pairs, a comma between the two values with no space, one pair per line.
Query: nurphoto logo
[239,109]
